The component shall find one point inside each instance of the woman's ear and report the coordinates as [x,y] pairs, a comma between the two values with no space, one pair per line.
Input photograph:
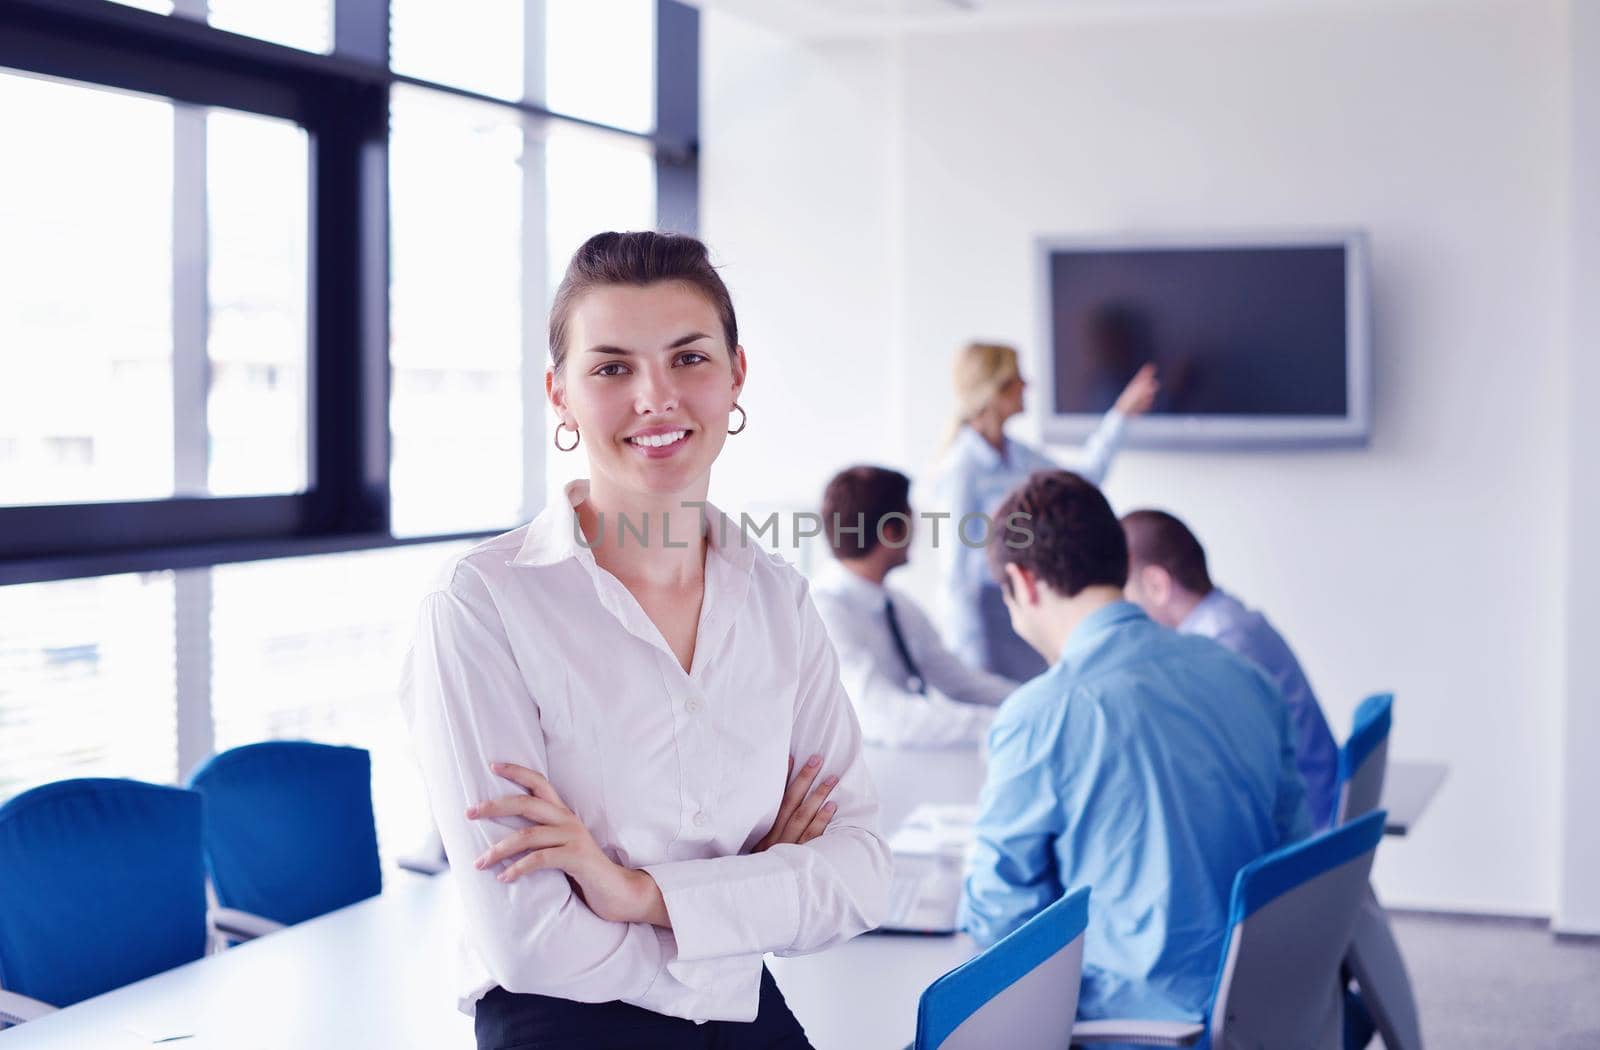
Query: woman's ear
[739,370]
[556,392]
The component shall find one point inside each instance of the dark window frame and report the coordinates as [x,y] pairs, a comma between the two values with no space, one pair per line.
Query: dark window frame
[342,99]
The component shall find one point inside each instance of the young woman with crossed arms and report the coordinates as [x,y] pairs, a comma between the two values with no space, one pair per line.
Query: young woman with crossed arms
[608,705]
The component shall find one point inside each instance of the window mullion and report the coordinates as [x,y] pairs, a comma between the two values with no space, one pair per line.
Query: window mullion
[192,659]
[190,309]
[191,381]
[535,280]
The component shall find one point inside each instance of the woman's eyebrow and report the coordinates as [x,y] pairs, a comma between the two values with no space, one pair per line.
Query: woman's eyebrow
[618,351]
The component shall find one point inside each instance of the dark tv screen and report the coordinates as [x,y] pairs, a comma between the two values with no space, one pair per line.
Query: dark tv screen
[1239,331]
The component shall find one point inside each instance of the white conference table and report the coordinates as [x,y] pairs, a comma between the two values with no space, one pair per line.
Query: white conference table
[382,972]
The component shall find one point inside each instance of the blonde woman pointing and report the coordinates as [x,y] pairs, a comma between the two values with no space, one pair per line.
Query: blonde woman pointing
[980,466]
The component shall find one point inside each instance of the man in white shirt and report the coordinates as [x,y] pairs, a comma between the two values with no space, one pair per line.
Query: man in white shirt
[908,689]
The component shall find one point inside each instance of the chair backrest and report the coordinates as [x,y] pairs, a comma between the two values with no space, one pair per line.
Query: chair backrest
[289,833]
[101,884]
[1022,993]
[1292,916]
[1364,759]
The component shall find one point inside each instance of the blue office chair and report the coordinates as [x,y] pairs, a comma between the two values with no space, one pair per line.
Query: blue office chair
[289,833]
[1021,993]
[1364,759]
[1375,960]
[1289,926]
[101,884]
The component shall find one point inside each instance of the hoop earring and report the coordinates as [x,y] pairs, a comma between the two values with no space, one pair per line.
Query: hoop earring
[743,419]
[576,437]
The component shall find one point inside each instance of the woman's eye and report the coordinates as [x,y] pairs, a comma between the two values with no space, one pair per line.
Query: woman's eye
[693,357]
[613,368]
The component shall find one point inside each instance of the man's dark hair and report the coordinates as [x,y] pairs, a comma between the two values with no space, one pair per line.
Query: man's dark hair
[1157,538]
[855,504]
[1076,541]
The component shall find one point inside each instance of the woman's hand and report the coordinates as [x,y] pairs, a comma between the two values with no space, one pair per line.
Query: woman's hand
[1140,393]
[801,817]
[558,841]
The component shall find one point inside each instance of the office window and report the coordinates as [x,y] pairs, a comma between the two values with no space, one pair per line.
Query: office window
[143,358]
[305,24]
[213,306]
[86,312]
[256,187]
[599,61]
[87,681]
[456,329]
[311,649]
[477,45]
[595,181]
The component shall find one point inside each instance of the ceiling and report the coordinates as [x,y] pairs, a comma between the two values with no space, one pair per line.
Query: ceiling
[848,18]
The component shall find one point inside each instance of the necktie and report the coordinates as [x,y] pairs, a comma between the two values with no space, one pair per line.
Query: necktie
[914,682]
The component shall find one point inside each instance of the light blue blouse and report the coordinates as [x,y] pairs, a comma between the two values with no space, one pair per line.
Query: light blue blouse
[1149,766]
[972,478]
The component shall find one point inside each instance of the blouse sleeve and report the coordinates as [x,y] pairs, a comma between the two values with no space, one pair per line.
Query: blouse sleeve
[1102,446]
[793,899]
[533,935]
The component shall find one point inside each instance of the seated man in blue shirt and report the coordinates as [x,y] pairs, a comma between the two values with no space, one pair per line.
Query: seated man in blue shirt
[1167,576]
[1147,765]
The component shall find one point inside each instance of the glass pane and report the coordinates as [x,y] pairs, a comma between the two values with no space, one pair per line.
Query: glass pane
[86,681]
[476,45]
[311,649]
[306,24]
[595,182]
[256,188]
[455,411]
[86,313]
[600,61]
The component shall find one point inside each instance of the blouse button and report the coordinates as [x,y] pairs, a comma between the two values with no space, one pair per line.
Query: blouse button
[693,705]
[700,820]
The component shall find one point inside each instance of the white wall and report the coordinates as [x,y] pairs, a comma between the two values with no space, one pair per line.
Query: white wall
[1429,563]
[793,125]
[1578,901]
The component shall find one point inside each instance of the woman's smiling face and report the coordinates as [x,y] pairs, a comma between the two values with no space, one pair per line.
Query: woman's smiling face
[648,381]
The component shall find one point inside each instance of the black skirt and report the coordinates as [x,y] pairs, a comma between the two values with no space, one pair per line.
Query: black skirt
[510,1021]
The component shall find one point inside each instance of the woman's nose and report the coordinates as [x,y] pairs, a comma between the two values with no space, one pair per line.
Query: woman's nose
[657,392]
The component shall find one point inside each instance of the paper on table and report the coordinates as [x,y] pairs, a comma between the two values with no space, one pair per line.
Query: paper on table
[936,830]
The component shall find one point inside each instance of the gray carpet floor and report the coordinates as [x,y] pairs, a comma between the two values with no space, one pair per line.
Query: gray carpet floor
[1501,984]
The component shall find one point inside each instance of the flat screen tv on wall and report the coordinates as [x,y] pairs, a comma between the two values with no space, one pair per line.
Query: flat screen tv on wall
[1260,341]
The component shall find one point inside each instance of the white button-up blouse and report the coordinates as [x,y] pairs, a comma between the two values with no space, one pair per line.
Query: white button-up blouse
[529,652]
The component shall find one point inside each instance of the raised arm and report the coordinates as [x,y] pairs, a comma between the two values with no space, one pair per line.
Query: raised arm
[467,705]
[1136,399]
[792,898]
